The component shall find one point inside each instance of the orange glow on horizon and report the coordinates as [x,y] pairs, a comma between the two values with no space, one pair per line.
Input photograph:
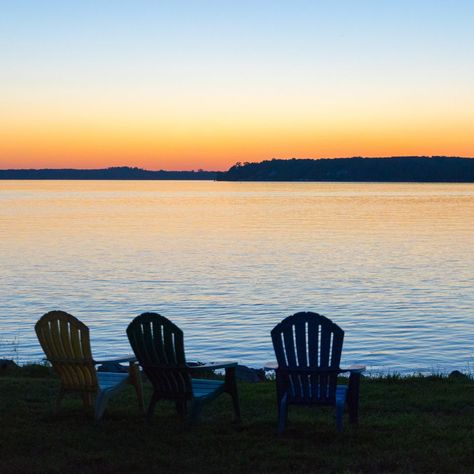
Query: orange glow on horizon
[217,147]
[80,135]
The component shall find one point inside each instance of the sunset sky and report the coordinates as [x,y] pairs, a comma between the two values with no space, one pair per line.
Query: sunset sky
[203,84]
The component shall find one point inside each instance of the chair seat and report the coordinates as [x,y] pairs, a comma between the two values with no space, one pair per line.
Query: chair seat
[203,388]
[110,380]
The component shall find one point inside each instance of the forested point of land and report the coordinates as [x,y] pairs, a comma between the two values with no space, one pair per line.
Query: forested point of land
[118,173]
[439,169]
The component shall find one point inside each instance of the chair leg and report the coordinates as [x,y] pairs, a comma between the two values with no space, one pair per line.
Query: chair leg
[236,404]
[231,389]
[151,406]
[282,413]
[136,381]
[193,416]
[87,399]
[100,404]
[353,398]
[340,417]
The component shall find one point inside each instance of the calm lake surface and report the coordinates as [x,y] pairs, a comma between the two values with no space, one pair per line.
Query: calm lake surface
[392,264]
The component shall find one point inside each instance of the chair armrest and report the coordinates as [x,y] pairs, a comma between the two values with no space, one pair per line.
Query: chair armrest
[355,369]
[116,361]
[213,366]
[273,365]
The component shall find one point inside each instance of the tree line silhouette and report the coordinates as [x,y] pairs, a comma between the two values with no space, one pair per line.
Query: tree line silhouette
[118,173]
[391,169]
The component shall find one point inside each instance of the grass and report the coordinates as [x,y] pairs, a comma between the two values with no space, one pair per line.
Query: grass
[407,425]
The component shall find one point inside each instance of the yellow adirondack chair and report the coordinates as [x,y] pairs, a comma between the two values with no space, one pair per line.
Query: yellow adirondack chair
[65,341]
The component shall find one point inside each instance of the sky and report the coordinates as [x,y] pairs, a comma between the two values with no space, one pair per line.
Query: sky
[203,84]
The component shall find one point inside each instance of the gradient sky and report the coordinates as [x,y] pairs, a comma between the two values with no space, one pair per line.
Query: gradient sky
[202,84]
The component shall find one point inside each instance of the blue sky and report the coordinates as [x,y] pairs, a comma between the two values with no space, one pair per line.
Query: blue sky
[261,68]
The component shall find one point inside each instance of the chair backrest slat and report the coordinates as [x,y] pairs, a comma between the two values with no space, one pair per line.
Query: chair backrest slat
[159,347]
[325,346]
[290,347]
[301,346]
[312,342]
[65,341]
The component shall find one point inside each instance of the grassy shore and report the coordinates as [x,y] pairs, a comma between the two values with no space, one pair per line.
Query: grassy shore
[415,424]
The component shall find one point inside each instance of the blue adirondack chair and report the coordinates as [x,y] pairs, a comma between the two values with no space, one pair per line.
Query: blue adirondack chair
[159,347]
[308,350]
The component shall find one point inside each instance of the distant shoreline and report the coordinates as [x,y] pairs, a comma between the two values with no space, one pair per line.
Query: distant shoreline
[116,173]
[404,169]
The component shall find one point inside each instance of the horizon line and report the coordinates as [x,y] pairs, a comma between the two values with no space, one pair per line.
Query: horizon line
[202,170]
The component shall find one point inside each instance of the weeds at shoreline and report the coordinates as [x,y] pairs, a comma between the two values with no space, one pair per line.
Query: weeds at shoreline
[10,349]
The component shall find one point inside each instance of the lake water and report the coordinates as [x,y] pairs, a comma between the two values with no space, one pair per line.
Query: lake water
[392,264]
